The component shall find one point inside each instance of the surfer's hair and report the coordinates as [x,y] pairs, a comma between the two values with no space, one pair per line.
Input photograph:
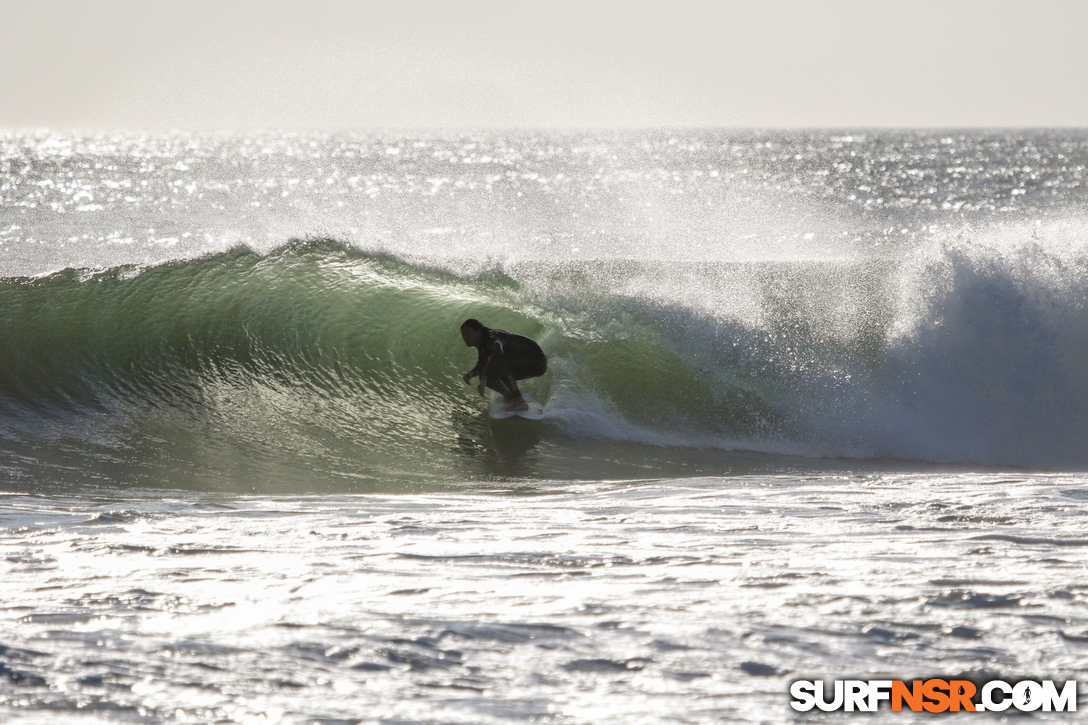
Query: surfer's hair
[473,324]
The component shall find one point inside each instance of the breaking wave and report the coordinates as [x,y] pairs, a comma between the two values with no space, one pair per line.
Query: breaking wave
[321,357]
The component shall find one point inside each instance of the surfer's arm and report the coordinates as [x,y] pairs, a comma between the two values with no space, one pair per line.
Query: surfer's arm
[483,368]
[481,363]
[483,380]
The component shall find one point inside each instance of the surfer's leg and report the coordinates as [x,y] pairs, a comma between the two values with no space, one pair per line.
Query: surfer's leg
[505,374]
[528,367]
[507,386]
[500,379]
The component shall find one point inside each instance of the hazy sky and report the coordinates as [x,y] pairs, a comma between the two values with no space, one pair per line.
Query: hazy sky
[608,63]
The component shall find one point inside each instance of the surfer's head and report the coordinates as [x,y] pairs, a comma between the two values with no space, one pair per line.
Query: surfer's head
[473,332]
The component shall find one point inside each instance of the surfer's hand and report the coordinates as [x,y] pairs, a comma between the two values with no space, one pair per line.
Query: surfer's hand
[482,385]
[467,377]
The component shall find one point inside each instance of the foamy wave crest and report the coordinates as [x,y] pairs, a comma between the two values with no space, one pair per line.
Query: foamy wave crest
[986,361]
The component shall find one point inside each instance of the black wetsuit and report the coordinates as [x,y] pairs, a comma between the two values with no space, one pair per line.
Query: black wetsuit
[506,358]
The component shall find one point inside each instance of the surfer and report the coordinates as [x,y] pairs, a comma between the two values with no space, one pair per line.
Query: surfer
[504,359]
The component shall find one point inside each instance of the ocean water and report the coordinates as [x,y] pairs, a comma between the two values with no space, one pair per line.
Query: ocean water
[817,407]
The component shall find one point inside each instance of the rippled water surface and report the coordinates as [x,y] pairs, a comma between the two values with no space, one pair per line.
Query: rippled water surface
[694,600]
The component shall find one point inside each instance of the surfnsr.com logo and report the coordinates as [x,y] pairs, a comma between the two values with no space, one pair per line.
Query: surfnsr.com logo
[934,695]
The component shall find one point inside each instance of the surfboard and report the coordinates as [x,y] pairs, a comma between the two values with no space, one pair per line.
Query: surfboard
[499,410]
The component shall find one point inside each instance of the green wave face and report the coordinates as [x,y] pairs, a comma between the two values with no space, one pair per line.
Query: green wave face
[319,363]
[317,366]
